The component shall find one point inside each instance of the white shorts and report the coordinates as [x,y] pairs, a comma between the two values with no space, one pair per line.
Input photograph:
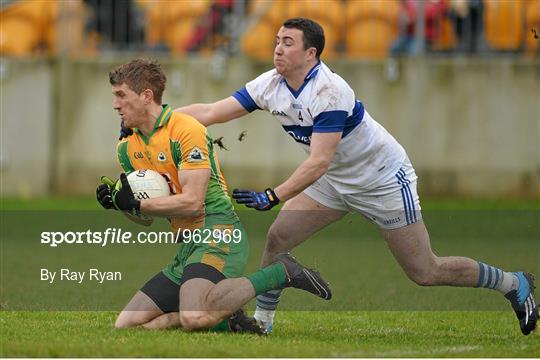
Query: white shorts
[392,205]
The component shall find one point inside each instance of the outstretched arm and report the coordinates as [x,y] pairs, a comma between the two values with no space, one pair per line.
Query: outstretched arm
[323,146]
[218,112]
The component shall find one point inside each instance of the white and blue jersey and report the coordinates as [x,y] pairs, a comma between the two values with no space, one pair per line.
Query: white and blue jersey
[366,155]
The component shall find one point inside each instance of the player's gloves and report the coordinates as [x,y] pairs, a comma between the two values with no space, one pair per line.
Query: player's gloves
[258,200]
[103,193]
[124,131]
[119,195]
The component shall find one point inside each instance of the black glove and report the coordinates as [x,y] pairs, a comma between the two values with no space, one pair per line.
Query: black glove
[124,131]
[119,195]
[257,200]
[103,193]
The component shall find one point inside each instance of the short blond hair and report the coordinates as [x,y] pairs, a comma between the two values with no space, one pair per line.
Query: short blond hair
[141,74]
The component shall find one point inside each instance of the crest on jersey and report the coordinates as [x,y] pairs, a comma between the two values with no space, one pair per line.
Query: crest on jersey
[195,155]
[161,156]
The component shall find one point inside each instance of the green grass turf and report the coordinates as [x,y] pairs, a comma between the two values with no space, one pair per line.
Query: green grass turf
[300,334]
[351,254]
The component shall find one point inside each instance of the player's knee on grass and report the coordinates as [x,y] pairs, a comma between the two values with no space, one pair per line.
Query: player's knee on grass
[198,281]
[128,319]
[140,310]
[120,323]
[197,320]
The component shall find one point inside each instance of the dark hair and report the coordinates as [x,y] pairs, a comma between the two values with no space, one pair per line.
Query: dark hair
[313,33]
[141,74]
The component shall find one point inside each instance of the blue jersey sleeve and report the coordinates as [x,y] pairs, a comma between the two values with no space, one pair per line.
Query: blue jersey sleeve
[245,100]
[330,121]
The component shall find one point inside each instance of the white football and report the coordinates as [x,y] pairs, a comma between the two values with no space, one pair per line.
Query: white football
[148,184]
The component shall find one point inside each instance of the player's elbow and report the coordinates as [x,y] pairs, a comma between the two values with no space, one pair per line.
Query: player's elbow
[320,166]
[197,206]
[194,207]
[323,167]
[187,205]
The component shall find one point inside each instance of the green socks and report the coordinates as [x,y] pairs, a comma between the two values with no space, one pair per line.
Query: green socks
[222,326]
[270,278]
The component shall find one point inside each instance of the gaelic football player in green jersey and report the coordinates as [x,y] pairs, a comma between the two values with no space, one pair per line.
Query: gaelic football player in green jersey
[203,285]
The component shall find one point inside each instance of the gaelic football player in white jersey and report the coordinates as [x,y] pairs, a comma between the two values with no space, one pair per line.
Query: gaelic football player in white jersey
[354,164]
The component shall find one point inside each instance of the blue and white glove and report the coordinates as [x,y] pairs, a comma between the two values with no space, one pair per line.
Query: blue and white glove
[261,201]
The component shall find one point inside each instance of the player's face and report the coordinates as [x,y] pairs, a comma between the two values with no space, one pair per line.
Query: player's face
[289,54]
[129,105]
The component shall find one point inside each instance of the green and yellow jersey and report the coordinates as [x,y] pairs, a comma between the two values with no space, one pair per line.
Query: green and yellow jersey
[179,142]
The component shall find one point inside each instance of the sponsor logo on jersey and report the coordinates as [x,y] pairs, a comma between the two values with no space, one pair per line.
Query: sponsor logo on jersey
[195,155]
[297,106]
[138,155]
[301,134]
[300,138]
[161,156]
[278,113]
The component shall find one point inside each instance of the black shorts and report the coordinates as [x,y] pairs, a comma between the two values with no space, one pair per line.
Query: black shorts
[165,293]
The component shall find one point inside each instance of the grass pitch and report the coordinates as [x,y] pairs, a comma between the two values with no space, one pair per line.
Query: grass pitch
[375,312]
[299,334]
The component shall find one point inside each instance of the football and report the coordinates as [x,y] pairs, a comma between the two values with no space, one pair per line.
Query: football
[148,184]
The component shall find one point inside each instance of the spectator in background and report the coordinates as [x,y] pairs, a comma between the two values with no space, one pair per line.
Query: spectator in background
[434,10]
[116,22]
[467,18]
[213,23]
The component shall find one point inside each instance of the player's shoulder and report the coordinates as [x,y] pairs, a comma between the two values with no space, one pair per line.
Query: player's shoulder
[330,92]
[184,123]
[267,79]
[327,78]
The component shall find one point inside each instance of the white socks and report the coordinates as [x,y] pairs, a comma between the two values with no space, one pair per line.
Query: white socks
[264,316]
